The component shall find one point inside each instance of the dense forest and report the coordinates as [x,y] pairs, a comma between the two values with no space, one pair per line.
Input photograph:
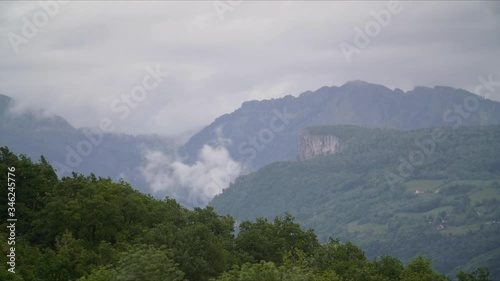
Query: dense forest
[87,228]
[376,193]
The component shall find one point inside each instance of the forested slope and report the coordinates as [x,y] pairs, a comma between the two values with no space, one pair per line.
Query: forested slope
[93,229]
[434,192]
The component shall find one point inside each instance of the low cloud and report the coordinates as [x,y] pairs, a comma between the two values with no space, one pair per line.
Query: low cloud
[17,109]
[192,185]
[92,53]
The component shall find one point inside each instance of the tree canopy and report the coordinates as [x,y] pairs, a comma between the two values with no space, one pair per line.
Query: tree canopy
[87,228]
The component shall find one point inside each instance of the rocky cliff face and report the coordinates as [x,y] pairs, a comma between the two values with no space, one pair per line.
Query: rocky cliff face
[311,146]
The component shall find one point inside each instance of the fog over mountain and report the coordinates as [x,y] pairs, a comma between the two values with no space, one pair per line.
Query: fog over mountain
[254,135]
[91,54]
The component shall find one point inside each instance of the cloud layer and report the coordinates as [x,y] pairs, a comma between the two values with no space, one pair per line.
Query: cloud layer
[192,185]
[91,53]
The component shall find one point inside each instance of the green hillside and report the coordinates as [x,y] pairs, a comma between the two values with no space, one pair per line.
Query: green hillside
[85,228]
[445,205]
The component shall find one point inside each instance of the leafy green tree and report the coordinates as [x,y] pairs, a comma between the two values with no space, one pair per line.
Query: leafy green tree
[91,209]
[420,269]
[144,262]
[343,258]
[297,265]
[8,276]
[266,241]
[32,182]
[101,274]
[388,266]
[479,274]
[252,272]
[68,261]
[258,240]
[202,246]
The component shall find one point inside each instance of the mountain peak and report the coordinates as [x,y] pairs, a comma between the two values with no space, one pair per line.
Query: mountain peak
[4,97]
[4,103]
[357,82]
[363,85]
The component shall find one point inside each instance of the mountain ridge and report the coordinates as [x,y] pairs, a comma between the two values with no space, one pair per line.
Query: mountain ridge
[356,102]
[254,135]
[115,155]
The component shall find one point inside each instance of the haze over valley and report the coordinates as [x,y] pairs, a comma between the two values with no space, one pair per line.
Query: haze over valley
[250,140]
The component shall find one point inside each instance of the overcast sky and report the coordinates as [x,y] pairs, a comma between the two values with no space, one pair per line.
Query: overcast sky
[89,54]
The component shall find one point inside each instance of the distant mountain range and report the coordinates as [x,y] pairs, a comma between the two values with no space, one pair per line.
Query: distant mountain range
[261,132]
[446,209]
[256,134]
[116,155]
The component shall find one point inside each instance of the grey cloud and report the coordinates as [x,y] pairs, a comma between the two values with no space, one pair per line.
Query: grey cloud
[192,185]
[94,52]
